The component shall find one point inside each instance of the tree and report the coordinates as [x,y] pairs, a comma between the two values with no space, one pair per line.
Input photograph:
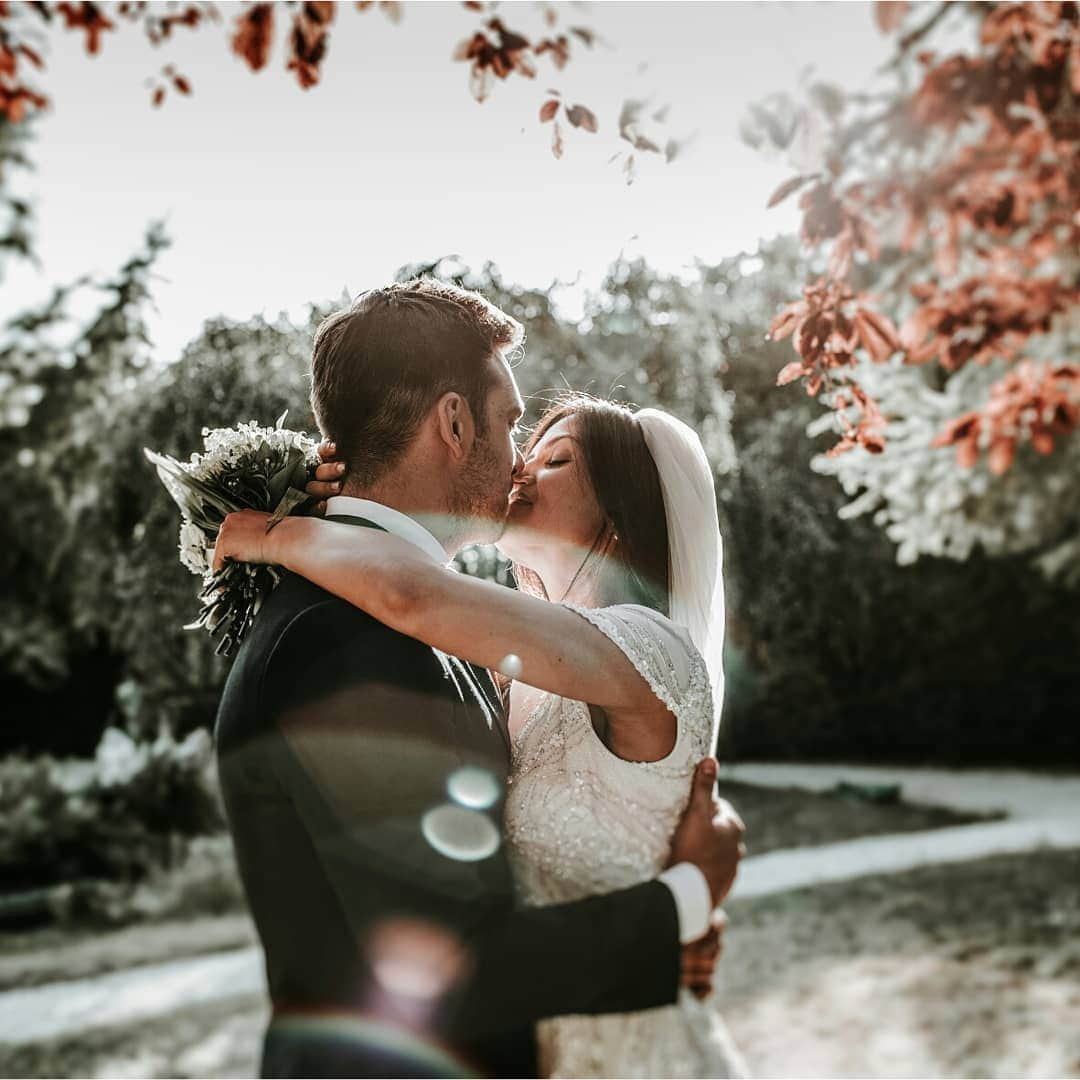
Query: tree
[64,383]
[943,314]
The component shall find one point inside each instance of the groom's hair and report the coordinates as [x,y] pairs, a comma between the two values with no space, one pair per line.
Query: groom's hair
[379,366]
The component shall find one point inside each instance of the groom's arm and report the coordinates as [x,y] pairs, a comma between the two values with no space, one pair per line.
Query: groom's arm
[375,738]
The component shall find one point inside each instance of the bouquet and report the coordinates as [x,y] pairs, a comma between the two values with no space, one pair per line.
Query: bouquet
[243,468]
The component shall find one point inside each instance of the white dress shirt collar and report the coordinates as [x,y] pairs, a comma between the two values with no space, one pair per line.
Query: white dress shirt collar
[393,521]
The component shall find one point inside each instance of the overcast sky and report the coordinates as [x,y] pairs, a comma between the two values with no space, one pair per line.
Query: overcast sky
[275,196]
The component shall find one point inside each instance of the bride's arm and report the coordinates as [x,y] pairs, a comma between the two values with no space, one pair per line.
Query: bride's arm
[475,620]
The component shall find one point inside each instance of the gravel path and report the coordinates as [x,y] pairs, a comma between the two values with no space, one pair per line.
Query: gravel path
[1044,812]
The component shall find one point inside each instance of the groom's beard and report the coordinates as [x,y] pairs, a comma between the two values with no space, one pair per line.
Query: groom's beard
[480,498]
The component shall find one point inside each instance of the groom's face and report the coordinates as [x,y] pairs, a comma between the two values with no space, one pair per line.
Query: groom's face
[482,490]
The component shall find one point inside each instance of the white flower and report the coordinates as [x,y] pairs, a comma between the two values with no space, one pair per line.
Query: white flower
[194,550]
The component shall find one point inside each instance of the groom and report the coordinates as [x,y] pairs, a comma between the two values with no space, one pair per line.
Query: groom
[364,772]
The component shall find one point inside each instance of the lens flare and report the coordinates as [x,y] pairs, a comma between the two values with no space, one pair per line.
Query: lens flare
[510,666]
[459,833]
[473,787]
[415,959]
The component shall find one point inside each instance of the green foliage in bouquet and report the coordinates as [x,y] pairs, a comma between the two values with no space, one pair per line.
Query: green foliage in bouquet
[243,468]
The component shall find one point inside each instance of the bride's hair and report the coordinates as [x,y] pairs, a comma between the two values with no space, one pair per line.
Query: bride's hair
[628,562]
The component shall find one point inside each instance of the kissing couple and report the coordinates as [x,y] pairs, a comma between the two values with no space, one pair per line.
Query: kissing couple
[476,825]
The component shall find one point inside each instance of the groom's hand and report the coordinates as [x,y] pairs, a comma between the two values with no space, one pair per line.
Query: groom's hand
[328,476]
[709,834]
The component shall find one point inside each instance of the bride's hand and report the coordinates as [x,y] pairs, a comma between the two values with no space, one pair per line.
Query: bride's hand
[328,476]
[699,958]
[243,538]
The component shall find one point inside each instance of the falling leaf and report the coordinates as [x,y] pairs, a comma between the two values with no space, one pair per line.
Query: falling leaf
[548,111]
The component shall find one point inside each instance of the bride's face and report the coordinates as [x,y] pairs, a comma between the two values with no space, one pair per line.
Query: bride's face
[553,504]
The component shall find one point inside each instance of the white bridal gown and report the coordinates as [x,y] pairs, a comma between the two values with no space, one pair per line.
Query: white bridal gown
[581,821]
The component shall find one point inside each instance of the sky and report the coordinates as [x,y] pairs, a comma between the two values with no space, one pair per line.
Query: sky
[275,197]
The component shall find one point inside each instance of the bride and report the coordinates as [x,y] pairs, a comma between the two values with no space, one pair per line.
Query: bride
[614,690]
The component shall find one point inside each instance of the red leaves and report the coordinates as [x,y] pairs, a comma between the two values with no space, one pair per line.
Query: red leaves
[16,96]
[494,51]
[578,115]
[984,182]
[868,432]
[982,318]
[558,47]
[254,35]
[829,324]
[89,17]
[307,40]
[1034,402]
[178,81]
[14,102]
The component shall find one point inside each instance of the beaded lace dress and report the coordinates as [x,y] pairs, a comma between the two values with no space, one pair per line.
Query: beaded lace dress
[581,821]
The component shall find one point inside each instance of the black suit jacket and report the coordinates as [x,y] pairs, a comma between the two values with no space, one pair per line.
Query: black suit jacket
[386,909]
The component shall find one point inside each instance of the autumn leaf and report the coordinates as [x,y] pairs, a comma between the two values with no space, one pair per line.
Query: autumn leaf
[581,117]
[254,34]
[877,334]
[788,187]
[32,56]
[556,141]
[1001,456]
[784,323]
[790,372]
[1042,442]
[548,111]
[89,17]
[889,14]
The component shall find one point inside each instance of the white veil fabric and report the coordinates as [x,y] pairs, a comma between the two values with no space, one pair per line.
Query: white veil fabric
[695,550]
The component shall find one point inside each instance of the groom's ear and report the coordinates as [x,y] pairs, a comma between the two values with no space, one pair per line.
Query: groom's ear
[455,423]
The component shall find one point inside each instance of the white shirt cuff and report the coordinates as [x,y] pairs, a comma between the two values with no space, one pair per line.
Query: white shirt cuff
[693,901]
